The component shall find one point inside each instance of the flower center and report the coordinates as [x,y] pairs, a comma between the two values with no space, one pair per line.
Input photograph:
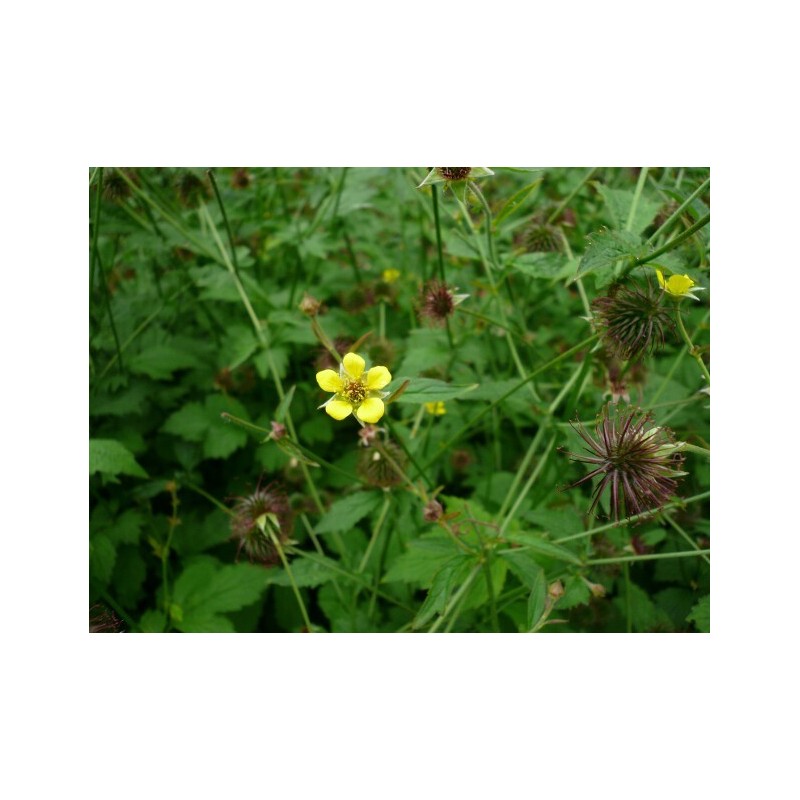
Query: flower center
[355,391]
[455,173]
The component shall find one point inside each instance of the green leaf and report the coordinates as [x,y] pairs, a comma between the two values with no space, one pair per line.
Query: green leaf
[619,201]
[701,615]
[102,556]
[205,423]
[307,572]
[553,266]
[515,201]
[429,390]
[576,593]
[189,422]
[537,600]
[421,561]
[523,565]
[206,589]
[605,248]
[346,512]
[126,528]
[161,360]
[112,458]
[536,544]
[450,575]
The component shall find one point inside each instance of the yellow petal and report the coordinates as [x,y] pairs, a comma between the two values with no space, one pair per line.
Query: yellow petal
[378,377]
[679,284]
[338,409]
[371,410]
[437,408]
[329,381]
[353,365]
[660,276]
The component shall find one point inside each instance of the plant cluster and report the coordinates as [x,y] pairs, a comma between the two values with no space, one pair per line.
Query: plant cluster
[448,399]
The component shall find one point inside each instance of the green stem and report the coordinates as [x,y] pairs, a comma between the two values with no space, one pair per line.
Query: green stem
[693,352]
[678,211]
[693,448]
[528,484]
[456,598]
[470,423]
[627,576]
[672,243]
[566,201]
[387,501]
[682,532]
[636,195]
[651,557]
[213,180]
[276,543]
[437,223]
[633,519]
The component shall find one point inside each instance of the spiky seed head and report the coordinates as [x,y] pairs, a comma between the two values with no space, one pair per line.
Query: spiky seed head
[240,179]
[377,470]
[454,173]
[632,321]
[103,620]
[433,511]
[191,189]
[638,463]
[268,505]
[543,238]
[438,301]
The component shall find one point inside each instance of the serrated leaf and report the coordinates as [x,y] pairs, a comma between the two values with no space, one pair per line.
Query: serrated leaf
[420,561]
[126,527]
[701,615]
[102,556]
[605,248]
[346,512]
[306,572]
[206,589]
[112,458]
[551,266]
[189,422]
[428,390]
[619,202]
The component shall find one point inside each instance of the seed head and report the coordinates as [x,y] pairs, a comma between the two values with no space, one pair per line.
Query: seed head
[638,462]
[432,511]
[438,301]
[631,322]
[240,179]
[268,505]
[191,189]
[377,470]
[104,620]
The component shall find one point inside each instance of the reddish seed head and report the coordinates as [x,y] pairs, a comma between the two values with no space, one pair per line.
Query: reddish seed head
[437,302]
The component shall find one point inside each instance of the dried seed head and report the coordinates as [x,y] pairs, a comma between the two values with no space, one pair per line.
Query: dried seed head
[115,187]
[377,470]
[637,462]
[433,511]
[240,179]
[309,305]
[438,301]
[104,620]
[191,189]
[454,173]
[543,238]
[631,322]
[266,506]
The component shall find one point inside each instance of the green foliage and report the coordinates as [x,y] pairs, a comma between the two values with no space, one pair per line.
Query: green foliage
[112,458]
[222,498]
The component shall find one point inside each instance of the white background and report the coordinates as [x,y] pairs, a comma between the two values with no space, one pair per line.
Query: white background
[372,716]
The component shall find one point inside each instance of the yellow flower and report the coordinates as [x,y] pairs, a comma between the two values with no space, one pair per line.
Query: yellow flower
[678,285]
[437,409]
[354,391]
[390,275]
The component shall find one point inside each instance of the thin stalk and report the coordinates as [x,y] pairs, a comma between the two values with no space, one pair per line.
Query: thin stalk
[675,364]
[682,532]
[456,598]
[693,448]
[568,199]
[637,193]
[95,228]
[211,499]
[627,577]
[672,243]
[387,501]
[528,484]
[693,351]
[276,543]
[651,557]
[633,519]
[670,221]
[538,371]
[213,180]
[437,223]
